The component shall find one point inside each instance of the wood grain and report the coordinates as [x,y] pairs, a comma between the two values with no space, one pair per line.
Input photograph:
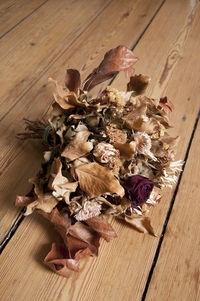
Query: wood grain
[121,270]
[93,44]
[177,272]
[31,48]
[13,12]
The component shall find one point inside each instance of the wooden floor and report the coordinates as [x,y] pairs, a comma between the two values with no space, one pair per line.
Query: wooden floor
[42,38]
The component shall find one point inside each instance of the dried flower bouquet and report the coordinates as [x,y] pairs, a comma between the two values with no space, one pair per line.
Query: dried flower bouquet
[105,155]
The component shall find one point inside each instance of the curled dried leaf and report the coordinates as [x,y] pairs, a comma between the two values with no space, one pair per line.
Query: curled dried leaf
[102,227]
[141,223]
[72,80]
[115,60]
[78,147]
[138,84]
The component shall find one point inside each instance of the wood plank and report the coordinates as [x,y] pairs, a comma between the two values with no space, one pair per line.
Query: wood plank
[13,12]
[31,48]
[93,44]
[121,270]
[177,272]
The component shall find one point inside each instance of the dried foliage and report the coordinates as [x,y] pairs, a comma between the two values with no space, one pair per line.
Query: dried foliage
[107,155]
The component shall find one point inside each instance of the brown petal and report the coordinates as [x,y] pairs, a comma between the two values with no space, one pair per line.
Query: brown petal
[96,180]
[78,147]
[138,84]
[115,60]
[142,224]
[72,80]
[101,226]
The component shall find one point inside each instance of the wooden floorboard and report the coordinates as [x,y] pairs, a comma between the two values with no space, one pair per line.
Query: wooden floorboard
[30,48]
[177,272]
[14,12]
[122,268]
[86,53]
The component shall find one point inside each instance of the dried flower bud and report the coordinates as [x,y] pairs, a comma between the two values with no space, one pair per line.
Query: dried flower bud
[106,153]
[89,210]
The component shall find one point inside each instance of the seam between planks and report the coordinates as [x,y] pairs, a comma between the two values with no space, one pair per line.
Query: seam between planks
[55,60]
[20,217]
[19,22]
[156,256]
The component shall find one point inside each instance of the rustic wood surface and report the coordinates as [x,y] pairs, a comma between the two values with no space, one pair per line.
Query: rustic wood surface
[164,35]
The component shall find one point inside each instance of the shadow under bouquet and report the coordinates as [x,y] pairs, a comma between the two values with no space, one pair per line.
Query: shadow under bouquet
[107,155]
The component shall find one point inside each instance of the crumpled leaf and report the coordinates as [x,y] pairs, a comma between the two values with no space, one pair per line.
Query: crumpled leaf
[61,186]
[78,147]
[115,60]
[138,84]
[79,241]
[141,223]
[101,226]
[166,105]
[72,80]
[95,180]
[59,261]
[44,201]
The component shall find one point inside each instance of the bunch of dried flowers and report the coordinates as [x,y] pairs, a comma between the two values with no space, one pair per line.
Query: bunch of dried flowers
[105,155]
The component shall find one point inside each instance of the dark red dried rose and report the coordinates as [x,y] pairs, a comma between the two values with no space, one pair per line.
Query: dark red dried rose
[138,189]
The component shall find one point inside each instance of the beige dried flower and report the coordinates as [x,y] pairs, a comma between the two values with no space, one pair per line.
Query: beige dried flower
[143,144]
[106,153]
[170,174]
[116,135]
[89,210]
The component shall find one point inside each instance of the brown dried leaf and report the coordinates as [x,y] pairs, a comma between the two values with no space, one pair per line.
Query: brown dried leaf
[59,261]
[135,117]
[166,105]
[115,60]
[61,186]
[45,202]
[138,84]
[96,180]
[23,200]
[127,150]
[101,226]
[72,80]
[141,223]
[78,147]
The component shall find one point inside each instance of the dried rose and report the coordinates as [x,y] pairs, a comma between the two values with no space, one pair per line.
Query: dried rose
[138,189]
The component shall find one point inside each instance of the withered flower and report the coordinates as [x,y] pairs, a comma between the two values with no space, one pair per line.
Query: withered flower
[138,189]
[106,153]
[90,209]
